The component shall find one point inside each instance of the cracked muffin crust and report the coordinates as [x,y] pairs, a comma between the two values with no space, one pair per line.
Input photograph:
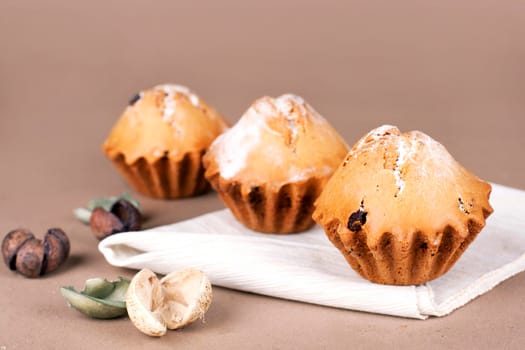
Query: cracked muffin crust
[400,208]
[270,167]
[158,142]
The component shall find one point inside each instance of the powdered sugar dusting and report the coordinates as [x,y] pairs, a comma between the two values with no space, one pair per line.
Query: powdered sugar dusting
[288,102]
[292,107]
[303,174]
[402,155]
[406,146]
[285,104]
[233,146]
[170,103]
[437,153]
[169,108]
[382,131]
[370,140]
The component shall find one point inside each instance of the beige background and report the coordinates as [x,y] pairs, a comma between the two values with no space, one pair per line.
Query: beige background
[454,69]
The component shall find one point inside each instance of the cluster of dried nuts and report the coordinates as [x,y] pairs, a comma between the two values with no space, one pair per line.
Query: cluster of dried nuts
[153,305]
[110,215]
[33,257]
[122,217]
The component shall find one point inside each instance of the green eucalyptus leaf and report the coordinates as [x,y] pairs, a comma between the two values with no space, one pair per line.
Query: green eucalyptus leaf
[82,214]
[120,290]
[105,202]
[100,298]
[93,307]
[98,287]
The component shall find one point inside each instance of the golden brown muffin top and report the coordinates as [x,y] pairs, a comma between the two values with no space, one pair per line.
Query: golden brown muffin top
[402,184]
[276,141]
[164,120]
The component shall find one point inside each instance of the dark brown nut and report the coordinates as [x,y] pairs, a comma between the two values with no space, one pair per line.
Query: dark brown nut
[56,249]
[122,217]
[104,223]
[11,243]
[128,214]
[30,256]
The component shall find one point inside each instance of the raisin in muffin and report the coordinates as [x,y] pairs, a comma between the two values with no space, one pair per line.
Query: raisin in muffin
[158,142]
[400,209]
[270,167]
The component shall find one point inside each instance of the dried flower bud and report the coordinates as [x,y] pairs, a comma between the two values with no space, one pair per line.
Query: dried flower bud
[30,256]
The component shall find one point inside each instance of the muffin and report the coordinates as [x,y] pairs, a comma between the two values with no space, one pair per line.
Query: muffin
[158,142]
[270,167]
[400,209]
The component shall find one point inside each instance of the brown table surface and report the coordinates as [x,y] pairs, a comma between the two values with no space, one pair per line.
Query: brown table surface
[454,69]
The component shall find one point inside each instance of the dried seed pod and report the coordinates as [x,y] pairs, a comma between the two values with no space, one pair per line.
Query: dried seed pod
[30,256]
[178,299]
[190,286]
[122,217]
[56,249]
[11,243]
[128,214]
[104,223]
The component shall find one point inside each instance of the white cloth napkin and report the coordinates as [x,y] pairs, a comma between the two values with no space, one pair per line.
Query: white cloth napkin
[306,267]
